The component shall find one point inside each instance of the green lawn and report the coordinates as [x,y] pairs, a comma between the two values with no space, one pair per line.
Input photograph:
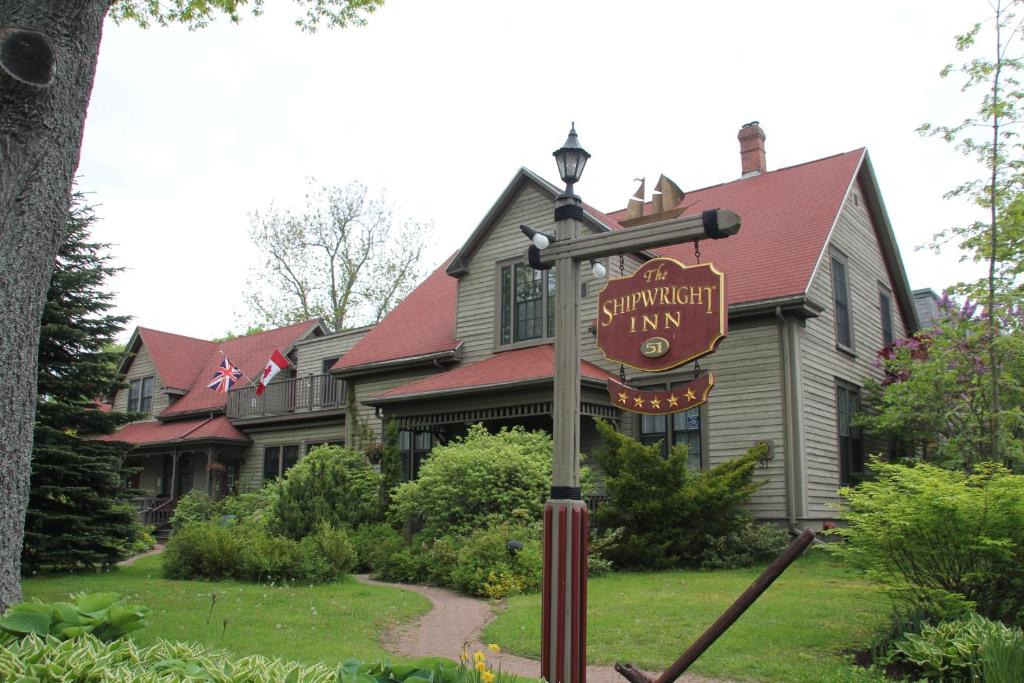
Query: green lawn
[328,623]
[797,631]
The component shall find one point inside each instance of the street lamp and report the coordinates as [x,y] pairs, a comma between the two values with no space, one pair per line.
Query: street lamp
[571,159]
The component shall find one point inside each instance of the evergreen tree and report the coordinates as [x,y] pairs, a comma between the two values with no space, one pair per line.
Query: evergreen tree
[78,514]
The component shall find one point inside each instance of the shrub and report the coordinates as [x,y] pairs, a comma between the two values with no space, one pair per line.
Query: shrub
[328,553]
[939,539]
[667,512]
[203,549]
[479,481]
[331,484]
[372,543]
[968,649]
[103,615]
[269,557]
[405,562]
[194,506]
[484,566]
[749,543]
[256,506]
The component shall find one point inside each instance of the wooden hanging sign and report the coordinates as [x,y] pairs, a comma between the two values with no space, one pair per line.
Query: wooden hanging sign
[662,316]
[674,400]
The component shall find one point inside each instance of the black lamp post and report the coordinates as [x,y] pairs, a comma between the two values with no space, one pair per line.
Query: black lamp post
[571,159]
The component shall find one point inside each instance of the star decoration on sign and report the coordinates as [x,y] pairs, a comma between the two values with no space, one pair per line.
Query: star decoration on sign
[659,401]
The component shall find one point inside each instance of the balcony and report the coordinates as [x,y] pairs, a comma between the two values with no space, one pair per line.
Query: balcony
[287,397]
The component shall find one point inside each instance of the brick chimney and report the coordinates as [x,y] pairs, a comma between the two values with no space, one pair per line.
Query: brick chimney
[752,157]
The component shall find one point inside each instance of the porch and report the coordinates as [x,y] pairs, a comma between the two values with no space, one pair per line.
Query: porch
[286,397]
[163,477]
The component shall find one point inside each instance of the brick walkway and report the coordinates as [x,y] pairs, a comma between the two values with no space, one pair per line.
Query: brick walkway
[457,620]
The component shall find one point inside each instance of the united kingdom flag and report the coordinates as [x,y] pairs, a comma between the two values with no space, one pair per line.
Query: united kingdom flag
[226,375]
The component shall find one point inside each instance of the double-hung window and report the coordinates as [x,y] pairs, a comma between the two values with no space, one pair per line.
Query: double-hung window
[851,443]
[841,300]
[885,308]
[279,459]
[140,395]
[415,448]
[527,303]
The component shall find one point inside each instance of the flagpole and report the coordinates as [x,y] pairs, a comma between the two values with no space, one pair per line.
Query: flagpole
[224,355]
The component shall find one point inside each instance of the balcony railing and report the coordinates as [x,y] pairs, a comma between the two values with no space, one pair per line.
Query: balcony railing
[299,395]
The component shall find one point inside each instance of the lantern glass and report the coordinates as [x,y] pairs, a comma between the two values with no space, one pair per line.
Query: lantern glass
[571,159]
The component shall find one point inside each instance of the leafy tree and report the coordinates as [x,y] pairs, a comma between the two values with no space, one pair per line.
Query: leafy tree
[342,258]
[46,77]
[991,137]
[77,513]
[667,512]
[936,396]
[939,539]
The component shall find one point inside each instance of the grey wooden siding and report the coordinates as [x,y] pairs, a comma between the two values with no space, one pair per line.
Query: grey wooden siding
[152,470]
[744,407]
[476,322]
[310,353]
[368,387]
[251,474]
[477,313]
[854,236]
[142,366]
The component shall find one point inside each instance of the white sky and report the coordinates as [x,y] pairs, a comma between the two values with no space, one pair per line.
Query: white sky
[438,103]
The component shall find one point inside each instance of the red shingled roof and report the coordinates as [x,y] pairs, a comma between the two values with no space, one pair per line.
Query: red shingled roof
[177,358]
[423,324]
[249,353]
[786,215]
[196,429]
[508,367]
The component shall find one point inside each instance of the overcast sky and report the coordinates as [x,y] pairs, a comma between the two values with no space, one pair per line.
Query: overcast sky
[438,103]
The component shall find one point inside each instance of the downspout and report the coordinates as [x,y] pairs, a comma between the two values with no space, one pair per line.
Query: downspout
[789,454]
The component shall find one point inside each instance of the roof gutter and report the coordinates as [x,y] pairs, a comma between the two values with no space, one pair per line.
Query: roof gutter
[465,391]
[449,356]
[795,304]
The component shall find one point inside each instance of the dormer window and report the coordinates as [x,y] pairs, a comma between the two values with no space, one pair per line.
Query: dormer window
[140,395]
[526,304]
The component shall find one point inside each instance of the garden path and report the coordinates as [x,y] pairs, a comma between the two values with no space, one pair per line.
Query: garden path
[457,620]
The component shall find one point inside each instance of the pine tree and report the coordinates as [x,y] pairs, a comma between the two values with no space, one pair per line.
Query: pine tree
[78,514]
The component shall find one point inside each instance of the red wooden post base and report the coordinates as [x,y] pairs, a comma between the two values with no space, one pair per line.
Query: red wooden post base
[564,618]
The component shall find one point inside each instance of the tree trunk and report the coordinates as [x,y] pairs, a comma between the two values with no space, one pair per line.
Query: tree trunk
[40,140]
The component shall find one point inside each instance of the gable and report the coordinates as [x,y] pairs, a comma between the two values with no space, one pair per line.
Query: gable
[512,194]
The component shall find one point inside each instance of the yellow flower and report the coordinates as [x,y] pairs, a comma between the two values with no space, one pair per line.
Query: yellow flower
[480,666]
[487,677]
[478,656]
[465,656]
[494,647]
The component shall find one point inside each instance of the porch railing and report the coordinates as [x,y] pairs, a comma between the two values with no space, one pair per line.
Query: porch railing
[154,511]
[301,394]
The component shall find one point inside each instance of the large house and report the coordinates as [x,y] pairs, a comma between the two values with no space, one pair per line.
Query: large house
[815,288]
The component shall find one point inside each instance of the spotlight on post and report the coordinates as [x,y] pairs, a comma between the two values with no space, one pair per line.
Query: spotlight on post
[571,158]
[540,239]
[598,270]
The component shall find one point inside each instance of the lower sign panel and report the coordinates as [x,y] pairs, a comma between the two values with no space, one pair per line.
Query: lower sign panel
[674,400]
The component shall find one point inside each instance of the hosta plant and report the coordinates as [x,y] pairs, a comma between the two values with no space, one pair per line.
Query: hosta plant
[103,615]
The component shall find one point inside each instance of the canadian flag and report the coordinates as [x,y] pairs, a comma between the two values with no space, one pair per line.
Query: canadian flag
[276,364]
